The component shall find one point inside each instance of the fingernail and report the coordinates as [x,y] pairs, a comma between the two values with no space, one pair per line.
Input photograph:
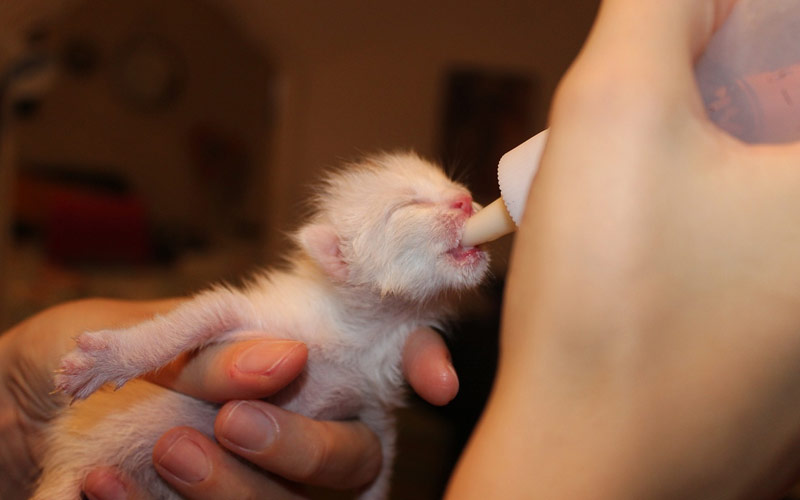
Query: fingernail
[107,488]
[264,357]
[186,460]
[249,427]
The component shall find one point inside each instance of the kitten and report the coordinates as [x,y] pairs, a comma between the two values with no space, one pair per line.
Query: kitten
[379,258]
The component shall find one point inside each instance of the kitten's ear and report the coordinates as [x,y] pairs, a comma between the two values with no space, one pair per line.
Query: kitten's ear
[321,242]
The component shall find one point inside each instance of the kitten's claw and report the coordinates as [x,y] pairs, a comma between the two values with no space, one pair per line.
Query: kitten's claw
[90,365]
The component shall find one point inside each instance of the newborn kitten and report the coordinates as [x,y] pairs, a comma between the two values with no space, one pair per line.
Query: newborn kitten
[379,258]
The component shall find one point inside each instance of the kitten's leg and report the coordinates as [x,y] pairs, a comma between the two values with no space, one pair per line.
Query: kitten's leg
[116,429]
[120,355]
[382,422]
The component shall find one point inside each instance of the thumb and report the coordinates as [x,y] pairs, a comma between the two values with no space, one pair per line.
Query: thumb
[427,367]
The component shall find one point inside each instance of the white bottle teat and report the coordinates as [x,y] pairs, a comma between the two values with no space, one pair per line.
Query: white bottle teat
[515,173]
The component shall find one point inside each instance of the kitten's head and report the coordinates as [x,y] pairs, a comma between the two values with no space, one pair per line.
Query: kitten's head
[393,223]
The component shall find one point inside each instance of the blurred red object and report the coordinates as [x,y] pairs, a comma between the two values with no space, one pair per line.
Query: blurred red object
[83,226]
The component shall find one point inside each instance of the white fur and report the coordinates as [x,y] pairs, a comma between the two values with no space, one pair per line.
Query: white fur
[378,259]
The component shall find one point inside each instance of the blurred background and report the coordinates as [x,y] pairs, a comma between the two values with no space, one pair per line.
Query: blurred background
[149,147]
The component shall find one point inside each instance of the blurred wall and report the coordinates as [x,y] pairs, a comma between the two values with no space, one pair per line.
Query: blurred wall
[349,76]
[105,112]
[358,76]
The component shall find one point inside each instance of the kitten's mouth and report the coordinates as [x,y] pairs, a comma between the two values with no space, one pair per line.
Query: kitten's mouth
[466,255]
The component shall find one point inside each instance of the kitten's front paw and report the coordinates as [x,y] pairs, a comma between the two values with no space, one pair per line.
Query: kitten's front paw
[90,365]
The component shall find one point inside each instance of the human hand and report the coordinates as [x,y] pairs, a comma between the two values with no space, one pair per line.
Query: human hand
[335,454]
[650,339]
[338,455]
[29,354]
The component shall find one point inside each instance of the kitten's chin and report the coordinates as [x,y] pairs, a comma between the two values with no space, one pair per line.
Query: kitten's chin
[461,254]
[467,258]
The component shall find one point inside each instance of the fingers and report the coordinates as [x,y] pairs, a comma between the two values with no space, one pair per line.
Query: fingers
[250,369]
[427,367]
[258,368]
[340,455]
[106,483]
[200,470]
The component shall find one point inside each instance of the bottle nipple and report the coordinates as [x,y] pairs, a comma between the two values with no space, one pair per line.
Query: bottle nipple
[515,173]
[488,224]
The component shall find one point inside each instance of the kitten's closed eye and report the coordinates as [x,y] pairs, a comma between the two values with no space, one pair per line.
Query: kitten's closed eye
[413,202]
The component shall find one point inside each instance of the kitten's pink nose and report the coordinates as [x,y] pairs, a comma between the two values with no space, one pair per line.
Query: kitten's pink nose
[463,203]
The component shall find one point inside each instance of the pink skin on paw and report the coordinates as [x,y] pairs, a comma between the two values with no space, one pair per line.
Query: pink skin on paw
[71,365]
[82,370]
[91,341]
[72,376]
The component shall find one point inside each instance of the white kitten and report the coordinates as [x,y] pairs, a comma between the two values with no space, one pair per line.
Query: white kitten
[379,258]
